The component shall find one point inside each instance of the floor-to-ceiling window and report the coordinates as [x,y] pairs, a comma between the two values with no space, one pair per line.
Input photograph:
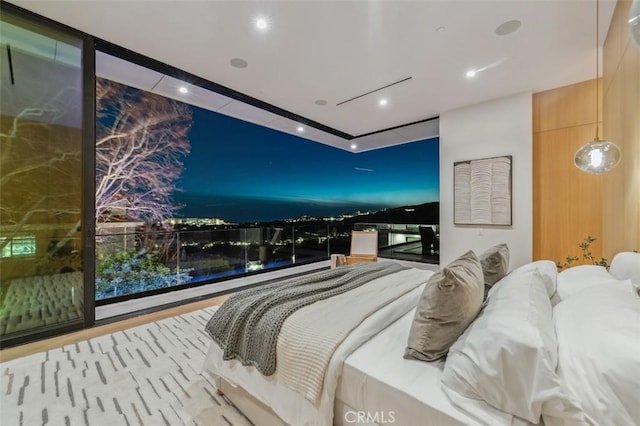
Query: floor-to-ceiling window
[41,185]
[187,194]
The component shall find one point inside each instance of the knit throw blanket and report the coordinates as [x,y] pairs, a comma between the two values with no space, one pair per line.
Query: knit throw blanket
[247,325]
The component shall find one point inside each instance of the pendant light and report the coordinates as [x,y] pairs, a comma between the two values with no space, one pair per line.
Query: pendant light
[597,156]
[634,21]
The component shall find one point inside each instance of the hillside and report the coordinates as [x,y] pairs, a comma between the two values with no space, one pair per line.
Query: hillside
[423,214]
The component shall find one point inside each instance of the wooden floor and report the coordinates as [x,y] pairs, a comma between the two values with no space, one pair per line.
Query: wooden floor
[59,341]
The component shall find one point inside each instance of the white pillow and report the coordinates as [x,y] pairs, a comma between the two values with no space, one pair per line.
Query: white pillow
[626,266]
[549,273]
[507,357]
[579,278]
[598,333]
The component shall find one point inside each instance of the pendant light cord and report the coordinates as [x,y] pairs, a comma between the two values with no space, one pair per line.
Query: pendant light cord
[597,66]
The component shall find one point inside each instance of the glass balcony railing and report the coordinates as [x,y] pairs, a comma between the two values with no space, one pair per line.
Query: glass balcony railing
[418,243]
[136,262]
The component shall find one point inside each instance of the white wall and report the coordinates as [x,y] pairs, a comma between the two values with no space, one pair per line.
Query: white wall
[495,128]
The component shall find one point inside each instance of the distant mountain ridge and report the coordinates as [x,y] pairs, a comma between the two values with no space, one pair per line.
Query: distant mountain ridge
[421,214]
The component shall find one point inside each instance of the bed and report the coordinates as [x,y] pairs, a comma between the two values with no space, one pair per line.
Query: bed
[370,380]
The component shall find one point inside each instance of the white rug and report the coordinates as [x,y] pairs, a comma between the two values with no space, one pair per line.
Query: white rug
[146,375]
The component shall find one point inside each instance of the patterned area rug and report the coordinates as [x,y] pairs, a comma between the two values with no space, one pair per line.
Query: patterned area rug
[146,375]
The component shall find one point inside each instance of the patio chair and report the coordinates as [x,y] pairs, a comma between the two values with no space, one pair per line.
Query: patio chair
[364,247]
[429,240]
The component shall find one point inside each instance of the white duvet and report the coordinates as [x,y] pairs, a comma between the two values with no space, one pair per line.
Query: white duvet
[598,332]
[289,405]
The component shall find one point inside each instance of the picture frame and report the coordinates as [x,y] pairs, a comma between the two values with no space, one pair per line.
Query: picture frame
[483,191]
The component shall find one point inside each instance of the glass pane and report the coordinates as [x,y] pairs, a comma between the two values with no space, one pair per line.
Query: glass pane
[210,254]
[279,247]
[311,243]
[129,262]
[41,280]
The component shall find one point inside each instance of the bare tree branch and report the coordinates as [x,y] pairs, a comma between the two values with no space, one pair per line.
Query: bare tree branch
[141,139]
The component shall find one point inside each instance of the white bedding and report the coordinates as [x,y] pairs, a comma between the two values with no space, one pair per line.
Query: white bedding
[377,379]
[369,375]
[599,334]
[292,407]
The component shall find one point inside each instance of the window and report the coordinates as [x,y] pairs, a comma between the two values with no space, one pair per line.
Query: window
[22,246]
[46,115]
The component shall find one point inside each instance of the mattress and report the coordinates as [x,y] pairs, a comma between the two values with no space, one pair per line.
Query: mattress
[383,387]
[292,407]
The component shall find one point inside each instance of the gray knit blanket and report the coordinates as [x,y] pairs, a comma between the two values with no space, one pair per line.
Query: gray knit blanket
[246,326]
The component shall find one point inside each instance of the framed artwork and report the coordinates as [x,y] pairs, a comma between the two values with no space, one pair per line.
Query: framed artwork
[482,191]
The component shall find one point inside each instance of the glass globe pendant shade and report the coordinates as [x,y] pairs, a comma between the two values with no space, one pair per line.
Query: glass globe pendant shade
[597,157]
[634,21]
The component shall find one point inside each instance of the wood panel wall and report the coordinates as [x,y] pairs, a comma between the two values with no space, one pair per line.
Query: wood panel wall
[567,203]
[621,186]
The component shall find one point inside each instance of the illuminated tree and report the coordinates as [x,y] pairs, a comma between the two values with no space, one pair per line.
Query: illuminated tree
[140,140]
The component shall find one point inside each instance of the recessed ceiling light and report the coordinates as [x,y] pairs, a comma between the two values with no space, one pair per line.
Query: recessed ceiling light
[238,63]
[508,27]
[183,90]
[321,102]
[383,102]
[300,129]
[261,24]
[354,146]
[471,73]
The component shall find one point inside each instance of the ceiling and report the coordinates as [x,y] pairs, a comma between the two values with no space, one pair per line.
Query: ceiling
[134,75]
[338,50]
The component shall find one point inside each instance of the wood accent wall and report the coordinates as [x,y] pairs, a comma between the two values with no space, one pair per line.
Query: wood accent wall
[621,186]
[567,203]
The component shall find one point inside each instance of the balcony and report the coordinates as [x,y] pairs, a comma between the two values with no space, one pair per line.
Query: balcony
[406,241]
[133,264]
[137,263]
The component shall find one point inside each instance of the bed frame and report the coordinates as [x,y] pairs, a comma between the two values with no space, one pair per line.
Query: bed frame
[258,413]
[254,410]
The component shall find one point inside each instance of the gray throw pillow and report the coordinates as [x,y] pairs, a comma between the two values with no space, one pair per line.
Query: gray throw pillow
[495,264]
[450,301]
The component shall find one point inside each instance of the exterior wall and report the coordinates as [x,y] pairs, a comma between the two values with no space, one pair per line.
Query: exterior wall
[494,128]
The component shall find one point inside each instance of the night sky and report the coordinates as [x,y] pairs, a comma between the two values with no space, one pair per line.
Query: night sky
[243,172]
